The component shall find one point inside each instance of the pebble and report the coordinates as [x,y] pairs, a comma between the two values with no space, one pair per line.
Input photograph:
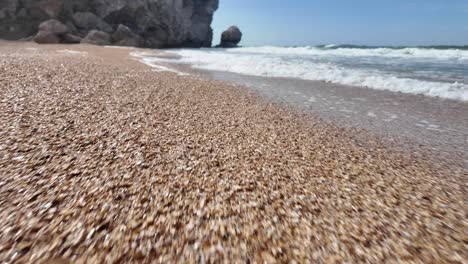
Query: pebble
[103,160]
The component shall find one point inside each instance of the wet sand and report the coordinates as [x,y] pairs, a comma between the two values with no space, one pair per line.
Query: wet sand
[103,159]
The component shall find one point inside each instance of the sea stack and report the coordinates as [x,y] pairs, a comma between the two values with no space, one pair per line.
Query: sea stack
[231,37]
[150,23]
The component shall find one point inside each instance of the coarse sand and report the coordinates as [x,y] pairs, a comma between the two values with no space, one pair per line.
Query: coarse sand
[104,160]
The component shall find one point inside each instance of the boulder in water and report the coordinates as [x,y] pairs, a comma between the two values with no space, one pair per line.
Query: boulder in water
[231,37]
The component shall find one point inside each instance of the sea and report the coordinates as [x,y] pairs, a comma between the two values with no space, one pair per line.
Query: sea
[434,71]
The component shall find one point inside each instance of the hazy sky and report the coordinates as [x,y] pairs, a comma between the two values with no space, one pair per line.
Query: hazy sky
[368,22]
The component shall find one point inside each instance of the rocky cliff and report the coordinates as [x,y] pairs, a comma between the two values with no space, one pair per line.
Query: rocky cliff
[146,23]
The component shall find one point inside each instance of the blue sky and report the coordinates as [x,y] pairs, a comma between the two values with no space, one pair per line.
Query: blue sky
[367,22]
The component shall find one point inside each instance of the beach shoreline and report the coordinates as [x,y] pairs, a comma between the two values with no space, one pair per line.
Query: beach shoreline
[104,159]
[409,122]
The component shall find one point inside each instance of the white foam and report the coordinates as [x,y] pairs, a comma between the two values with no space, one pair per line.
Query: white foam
[74,52]
[148,59]
[118,47]
[448,54]
[274,66]
[331,46]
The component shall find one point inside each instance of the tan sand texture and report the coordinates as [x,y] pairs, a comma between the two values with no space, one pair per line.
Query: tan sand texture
[103,160]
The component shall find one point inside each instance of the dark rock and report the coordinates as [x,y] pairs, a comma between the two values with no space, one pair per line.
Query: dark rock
[17,22]
[158,23]
[51,7]
[89,21]
[50,32]
[27,38]
[124,36]
[97,37]
[122,32]
[22,13]
[72,39]
[53,26]
[44,37]
[8,9]
[231,37]
[72,28]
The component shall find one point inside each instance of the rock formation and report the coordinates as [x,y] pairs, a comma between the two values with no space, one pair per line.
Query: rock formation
[145,23]
[124,36]
[50,31]
[231,37]
[97,37]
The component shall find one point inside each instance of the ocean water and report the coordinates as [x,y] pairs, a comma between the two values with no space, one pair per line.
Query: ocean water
[439,71]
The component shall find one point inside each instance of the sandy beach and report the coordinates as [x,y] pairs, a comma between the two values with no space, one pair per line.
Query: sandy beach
[104,159]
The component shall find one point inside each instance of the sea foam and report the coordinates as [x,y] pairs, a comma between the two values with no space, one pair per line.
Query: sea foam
[150,60]
[343,66]
[332,50]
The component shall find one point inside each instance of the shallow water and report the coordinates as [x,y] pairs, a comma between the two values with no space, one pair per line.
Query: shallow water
[428,71]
